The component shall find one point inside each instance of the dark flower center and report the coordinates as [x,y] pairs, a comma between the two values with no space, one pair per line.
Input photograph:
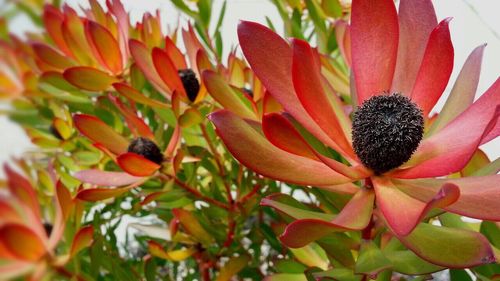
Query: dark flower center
[48,228]
[190,83]
[386,130]
[146,148]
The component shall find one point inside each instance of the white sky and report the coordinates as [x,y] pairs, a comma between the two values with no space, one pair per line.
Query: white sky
[474,22]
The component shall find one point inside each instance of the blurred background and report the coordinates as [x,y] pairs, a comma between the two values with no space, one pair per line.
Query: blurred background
[474,22]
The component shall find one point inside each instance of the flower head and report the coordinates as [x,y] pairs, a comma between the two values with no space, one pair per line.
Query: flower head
[400,68]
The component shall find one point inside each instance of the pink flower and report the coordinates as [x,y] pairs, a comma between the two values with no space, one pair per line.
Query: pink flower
[401,64]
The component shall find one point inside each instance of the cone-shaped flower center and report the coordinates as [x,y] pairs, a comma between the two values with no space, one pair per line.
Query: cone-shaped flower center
[146,148]
[190,83]
[386,130]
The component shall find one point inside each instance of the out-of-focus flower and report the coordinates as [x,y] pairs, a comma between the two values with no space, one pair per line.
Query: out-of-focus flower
[27,242]
[401,65]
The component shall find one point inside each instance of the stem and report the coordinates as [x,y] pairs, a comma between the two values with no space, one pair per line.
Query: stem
[200,196]
[249,194]
[212,148]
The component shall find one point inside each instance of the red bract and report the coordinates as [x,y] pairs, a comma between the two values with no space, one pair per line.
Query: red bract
[410,54]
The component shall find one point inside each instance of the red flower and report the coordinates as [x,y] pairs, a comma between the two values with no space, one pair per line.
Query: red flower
[401,65]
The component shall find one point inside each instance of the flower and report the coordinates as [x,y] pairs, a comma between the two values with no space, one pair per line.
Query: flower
[27,244]
[167,69]
[401,65]
[139,158]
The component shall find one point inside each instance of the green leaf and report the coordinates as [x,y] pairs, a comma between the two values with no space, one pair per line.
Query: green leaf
[449,247]
[221,17]
[332,8]
[289,266]
[340,274]
[459,275]
[492,232]
[407,262]
[371,260]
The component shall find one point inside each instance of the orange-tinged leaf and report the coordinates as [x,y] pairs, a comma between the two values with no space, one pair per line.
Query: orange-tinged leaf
[74,36]
[261,156]
[167,71]
[137,165]
[354,216]
[64,199]
[175,54]
[83,239]
[176,255]
[232,267]
[403,212]
[105,46]
[226,96]
[53,20]
[137,96]
[88,78]
[202,61]
[98,194]
[50,56]
[142,58]
[479,196]
[135,124]
[22,242]
[62,128]
[22,189]
[192,226]
[478,161]
[97,131]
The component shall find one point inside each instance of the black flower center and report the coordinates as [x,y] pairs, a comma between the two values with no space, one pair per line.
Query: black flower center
[386,130]
[190,83]
[146,148]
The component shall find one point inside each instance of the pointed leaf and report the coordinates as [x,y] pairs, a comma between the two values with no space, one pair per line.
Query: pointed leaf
[167,71]
[374,36]
[51,56]
[449,247]
[105,46]
[274,69]
[192,226]
[175,54]
[417,19]
[176,255]
[403,212]
[466,131]
[99,132]
[232,267]
[99,194]
[266,159]
[354,216]
[479,196]
[225,95]
[142,58]
[371,260]
[137,96]
[463,92]
[435,70]
[21,242]
[83,239]
[88,78]
[326,111]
